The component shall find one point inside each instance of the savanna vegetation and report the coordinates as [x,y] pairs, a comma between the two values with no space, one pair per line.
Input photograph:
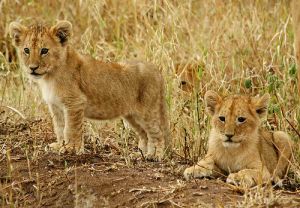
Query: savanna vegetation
[234,46]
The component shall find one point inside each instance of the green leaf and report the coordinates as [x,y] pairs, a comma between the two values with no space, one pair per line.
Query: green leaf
[200,72]
[292,70]
[248,83]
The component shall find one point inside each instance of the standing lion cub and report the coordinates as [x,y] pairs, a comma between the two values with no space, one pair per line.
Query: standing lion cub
[76,86]
[238,146]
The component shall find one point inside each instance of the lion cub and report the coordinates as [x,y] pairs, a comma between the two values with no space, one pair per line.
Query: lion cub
[238,146]
[187,74]
[77,86]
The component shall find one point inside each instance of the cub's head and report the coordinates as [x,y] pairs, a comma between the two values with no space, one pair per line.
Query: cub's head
[235,119]
[41,48]
[187,75]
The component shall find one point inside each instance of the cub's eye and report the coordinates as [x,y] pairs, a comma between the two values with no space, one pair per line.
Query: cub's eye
[241,119]
[26,50]
[222,118]
[44,51]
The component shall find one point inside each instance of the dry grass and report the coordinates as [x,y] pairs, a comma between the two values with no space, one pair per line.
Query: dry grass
[243,46]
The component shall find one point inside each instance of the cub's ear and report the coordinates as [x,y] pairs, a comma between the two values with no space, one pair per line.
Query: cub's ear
[15,31]
[63,31]
[211,100]
[261,104]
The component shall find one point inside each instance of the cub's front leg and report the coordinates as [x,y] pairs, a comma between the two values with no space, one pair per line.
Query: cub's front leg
[248,178]
[73,116]
[204,168]
[59,125]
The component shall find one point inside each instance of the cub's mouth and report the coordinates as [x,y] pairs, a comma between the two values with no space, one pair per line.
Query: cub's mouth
[36,74]
[231,143]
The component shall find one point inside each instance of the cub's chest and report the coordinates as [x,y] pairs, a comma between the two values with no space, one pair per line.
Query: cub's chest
[234,161]
[230,163]
[49,92]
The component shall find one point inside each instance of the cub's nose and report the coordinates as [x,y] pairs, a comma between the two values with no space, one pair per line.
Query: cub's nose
[183,83]
[229,136]
[33,67]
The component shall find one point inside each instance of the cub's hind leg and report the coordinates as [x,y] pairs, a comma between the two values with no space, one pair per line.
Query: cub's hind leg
[283,144]
[156,138]
[156,142]
[157,127]
[143,139]
[164,123]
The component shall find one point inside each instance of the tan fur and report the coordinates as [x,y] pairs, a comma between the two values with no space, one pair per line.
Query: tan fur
[187,75]
[295,8]
[252,155]
[77,86]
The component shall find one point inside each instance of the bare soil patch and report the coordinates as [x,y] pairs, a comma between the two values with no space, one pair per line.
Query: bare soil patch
[31,176]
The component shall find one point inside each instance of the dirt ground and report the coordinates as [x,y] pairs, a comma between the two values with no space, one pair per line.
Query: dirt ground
[31,176]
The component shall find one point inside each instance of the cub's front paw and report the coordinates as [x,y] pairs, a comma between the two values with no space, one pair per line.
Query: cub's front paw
[196,172]
[154,157]
[72,147]
[241,179]
[55,146]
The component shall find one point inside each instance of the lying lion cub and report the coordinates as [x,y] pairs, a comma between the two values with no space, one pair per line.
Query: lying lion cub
[77,86]
[238,146]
